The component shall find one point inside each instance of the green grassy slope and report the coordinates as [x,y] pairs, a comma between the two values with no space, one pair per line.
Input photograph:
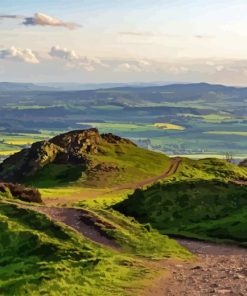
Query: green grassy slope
[40,257]
[199,208]
[208,169]
[135,238]
[133,163]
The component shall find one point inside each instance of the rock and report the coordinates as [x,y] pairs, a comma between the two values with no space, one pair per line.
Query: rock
[21,192]
[196,267]
[224,291]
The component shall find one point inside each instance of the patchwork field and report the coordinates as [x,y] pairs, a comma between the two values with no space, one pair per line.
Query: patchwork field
[193,120]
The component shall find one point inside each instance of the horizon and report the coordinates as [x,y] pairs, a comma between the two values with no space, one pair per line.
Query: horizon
[122,83]
[98,41]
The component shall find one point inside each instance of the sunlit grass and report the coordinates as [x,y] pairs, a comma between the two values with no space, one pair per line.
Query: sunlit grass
[244,134]
[8,152]
[169,126]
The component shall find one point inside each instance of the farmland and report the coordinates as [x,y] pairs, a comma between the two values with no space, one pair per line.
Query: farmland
[193,120]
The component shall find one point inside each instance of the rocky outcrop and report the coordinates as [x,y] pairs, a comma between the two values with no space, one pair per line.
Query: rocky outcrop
[17,191]
[113,139]
[75,147]
[28,161]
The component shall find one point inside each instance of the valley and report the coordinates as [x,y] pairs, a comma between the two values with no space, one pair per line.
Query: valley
[199,119]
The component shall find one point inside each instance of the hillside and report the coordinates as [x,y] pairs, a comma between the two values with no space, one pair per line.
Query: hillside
[16,87]
[40,256]
[84,157]
[194,208]
[91,246]
[208,169]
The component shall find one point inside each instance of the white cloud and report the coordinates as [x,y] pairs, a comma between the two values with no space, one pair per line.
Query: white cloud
[17,54]
[63,53]
[127,67]
[134,66]
[41,19]
[72,59]
[178,70]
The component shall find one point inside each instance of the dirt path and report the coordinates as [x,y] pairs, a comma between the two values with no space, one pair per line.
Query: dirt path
[218,270]
[79,221]
[175,162]
[56,201]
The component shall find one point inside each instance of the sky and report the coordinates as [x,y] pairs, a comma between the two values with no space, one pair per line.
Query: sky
[95,41]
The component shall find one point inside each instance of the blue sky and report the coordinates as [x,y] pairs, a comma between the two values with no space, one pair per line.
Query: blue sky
[113,40]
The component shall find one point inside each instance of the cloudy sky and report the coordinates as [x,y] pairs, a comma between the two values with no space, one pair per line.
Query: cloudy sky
[124,41]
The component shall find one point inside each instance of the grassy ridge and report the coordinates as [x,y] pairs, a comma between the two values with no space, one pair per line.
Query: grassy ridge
[199,208]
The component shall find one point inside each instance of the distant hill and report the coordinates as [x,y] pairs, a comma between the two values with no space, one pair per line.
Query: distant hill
[10,86]
[181,92]
[63,86]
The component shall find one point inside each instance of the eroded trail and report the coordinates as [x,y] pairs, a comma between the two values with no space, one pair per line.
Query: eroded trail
[175,162]
[80,222]
[218,270]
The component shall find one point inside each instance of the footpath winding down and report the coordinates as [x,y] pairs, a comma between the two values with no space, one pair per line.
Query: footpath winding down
[217,270]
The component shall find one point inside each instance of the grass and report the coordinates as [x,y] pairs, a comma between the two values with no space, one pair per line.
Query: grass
[40,257]
[203,156]
[198,208]
[8,152]
[134,238]
[208,169]
[19,142]
[55,175]
[135,163]
[244,134]
[114,165]
[169,126]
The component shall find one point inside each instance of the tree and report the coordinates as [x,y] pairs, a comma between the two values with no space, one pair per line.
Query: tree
[229,157]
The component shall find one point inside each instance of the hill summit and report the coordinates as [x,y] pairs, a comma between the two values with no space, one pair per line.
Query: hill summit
[84,155]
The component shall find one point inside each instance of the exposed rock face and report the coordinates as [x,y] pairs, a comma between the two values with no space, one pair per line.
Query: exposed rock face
[28,161]
[73,147]
[113,139]
[20,192]
[77,143]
